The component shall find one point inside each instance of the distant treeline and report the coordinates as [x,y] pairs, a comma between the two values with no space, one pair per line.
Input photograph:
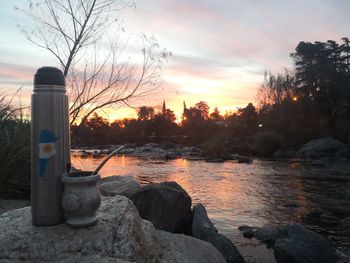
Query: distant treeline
[292,107]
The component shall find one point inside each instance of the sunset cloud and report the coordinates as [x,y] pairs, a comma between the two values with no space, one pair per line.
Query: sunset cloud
[16,73]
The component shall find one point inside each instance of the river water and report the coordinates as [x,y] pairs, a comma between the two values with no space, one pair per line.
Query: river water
[264,193]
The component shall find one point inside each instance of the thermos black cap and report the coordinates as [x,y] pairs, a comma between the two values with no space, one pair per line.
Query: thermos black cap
[49,76]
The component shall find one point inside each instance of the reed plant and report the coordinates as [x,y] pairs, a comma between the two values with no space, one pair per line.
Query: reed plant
[14,151]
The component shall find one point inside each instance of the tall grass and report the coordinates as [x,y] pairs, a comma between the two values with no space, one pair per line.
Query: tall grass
[14,151]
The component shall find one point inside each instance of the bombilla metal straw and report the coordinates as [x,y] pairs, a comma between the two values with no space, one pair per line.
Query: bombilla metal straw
[106,159]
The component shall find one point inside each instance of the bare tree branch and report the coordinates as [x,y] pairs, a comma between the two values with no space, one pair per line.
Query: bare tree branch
[94,59]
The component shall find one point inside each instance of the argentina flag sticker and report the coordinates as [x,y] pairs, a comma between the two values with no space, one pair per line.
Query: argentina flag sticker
[47,148]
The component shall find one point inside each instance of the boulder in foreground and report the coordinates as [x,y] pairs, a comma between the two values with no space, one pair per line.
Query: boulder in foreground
[119,236]
[167,205]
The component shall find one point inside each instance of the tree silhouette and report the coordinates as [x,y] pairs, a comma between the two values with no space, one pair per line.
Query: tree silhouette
[203,107]
[276,88]
[145,113]
[97,122]
[215,115]
[322,77]
[170,115]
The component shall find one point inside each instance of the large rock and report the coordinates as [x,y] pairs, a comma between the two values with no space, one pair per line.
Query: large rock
[203,228]
[119,236]
[166,205]
[180,248]
[118,185]
[190,151]
[296,244]
[324,147]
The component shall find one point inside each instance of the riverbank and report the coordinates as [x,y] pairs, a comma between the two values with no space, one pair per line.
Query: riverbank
[317,152]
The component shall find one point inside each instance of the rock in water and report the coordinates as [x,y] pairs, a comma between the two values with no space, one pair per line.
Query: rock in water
[118,185]
[119,236]
[324,147]
[170,155]
[297,244]
[127,151]
[203,228]
[176,248]
[167,205]
[241,159]
[150,150]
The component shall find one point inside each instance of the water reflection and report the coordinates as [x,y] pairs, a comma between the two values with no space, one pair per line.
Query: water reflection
[259,194]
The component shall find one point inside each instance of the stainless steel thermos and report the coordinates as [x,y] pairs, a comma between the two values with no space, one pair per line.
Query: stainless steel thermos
[50,145]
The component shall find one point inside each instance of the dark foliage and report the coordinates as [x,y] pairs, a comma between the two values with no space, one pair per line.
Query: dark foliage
[14,153]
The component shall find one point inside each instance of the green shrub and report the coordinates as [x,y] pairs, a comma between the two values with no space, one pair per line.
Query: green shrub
[266,143]
[14,153]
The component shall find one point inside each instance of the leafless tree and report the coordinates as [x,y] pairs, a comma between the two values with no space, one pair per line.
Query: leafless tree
[276,88]
[85,38]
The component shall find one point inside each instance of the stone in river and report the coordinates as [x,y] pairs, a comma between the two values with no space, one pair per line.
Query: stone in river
[297,244]
[203,228]
[323,147]
[167,205]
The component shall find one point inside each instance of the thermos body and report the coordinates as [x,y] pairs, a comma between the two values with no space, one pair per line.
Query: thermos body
[50,145]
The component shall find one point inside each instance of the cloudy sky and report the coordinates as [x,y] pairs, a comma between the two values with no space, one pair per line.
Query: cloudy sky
[220,48]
